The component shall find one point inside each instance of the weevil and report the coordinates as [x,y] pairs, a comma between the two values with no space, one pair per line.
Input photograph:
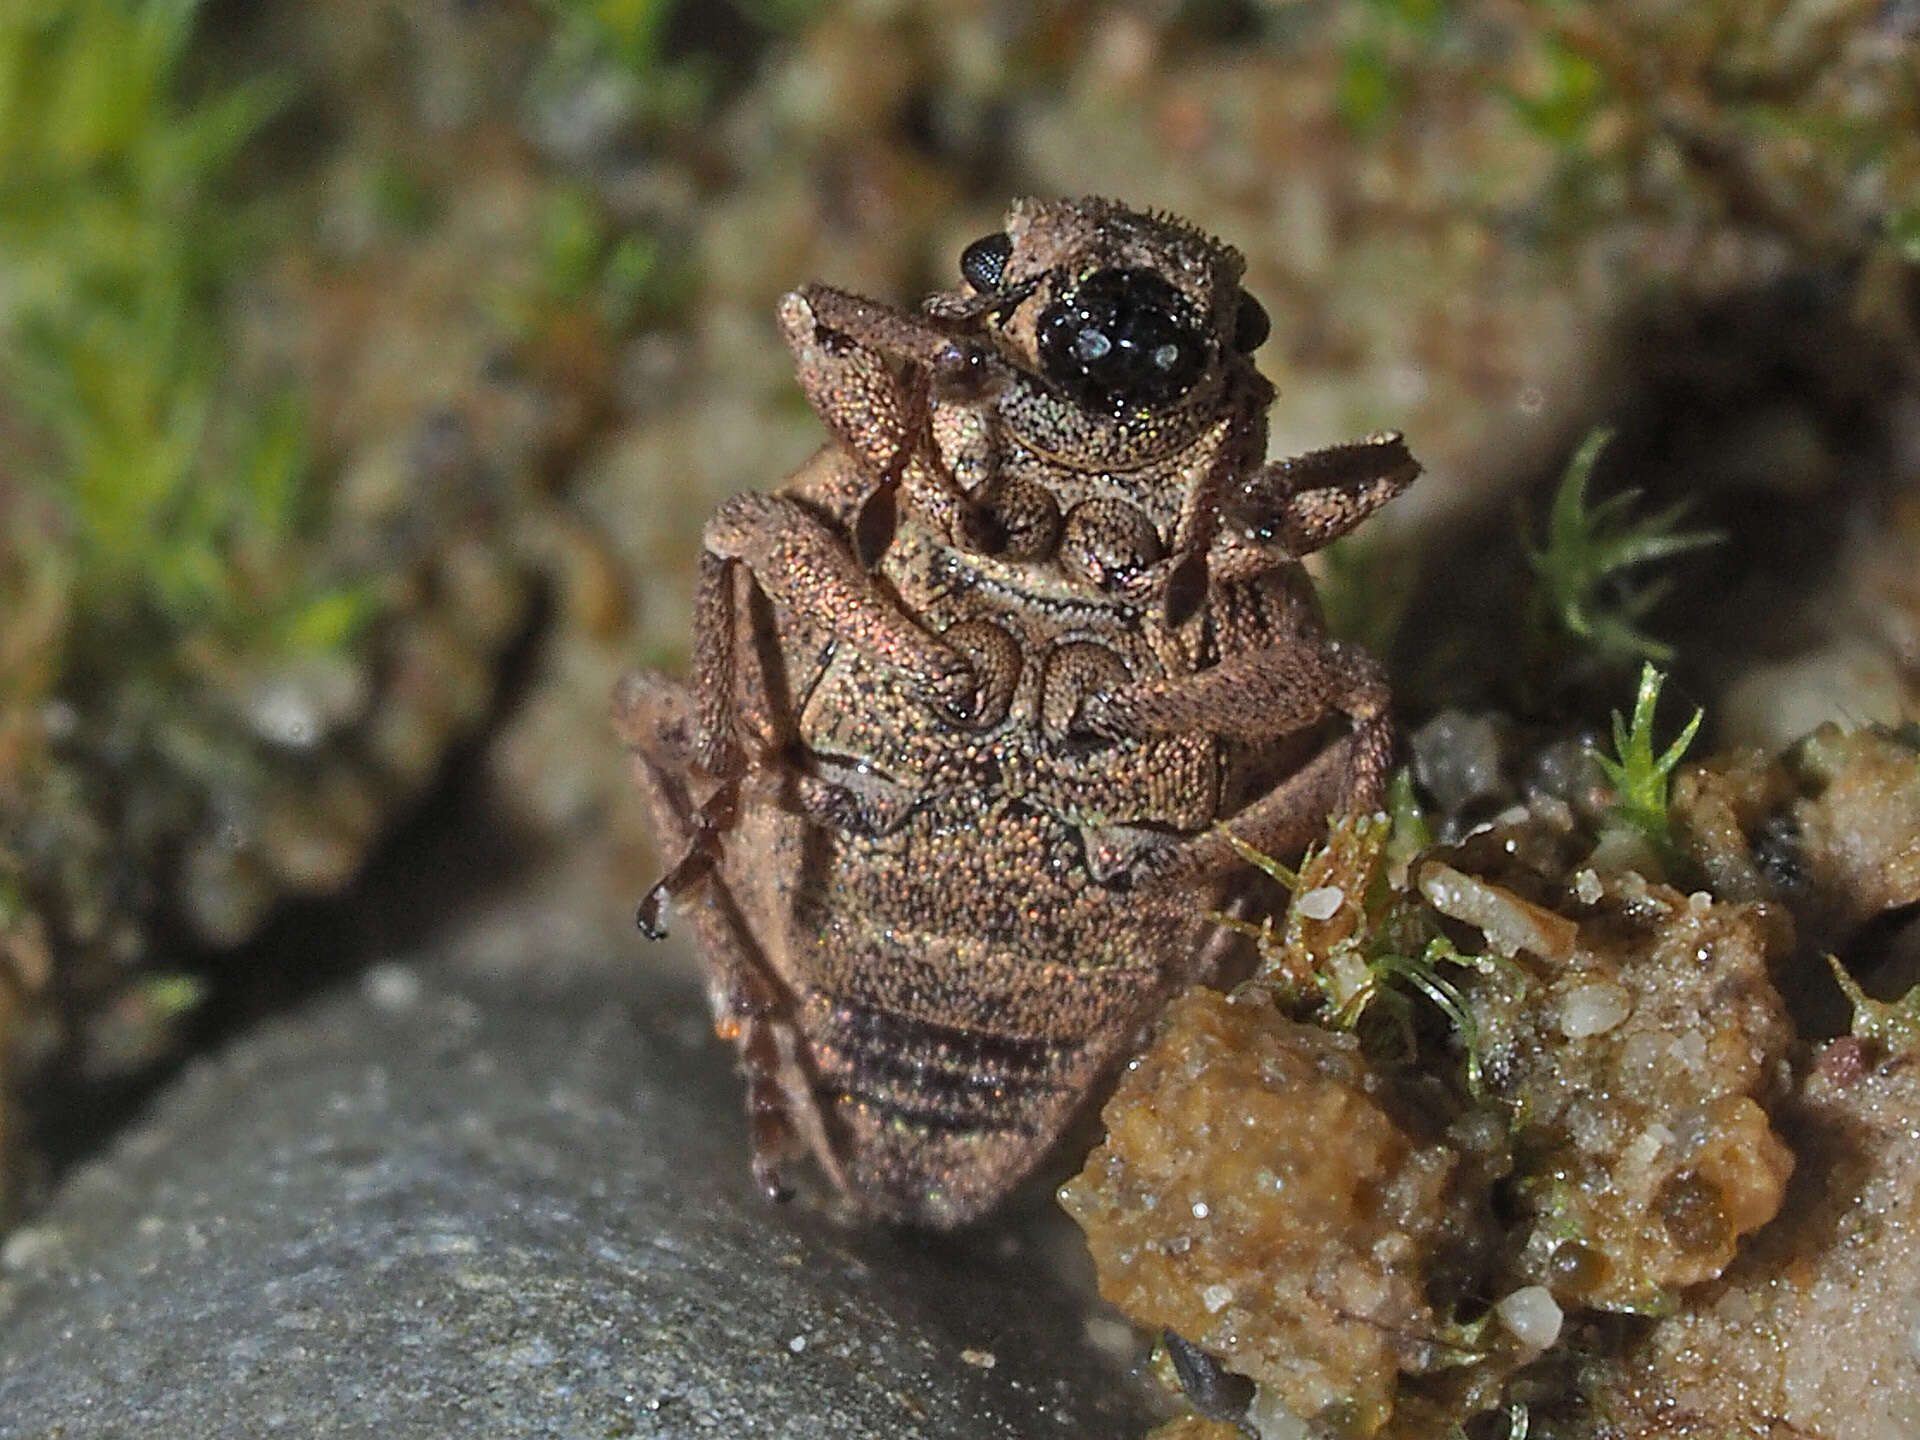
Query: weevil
[975,693]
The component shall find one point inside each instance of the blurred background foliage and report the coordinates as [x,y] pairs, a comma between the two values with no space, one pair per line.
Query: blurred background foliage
[367,370]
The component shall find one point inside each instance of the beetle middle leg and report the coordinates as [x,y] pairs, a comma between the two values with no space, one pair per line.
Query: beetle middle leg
[1266,693]
[751,1006]
[775,548]
[1278,690]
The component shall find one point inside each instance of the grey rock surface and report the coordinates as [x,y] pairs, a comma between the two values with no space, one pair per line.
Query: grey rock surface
[436,1206]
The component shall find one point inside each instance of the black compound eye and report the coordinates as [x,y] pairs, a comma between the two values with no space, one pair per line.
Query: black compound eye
[1250,325]
[1123,340]
[983,264]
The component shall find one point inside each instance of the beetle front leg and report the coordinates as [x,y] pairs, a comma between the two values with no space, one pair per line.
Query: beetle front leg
[854,359]
[871,373]
[1310,501]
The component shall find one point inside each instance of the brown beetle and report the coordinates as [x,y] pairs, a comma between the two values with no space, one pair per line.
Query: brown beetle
[973,691]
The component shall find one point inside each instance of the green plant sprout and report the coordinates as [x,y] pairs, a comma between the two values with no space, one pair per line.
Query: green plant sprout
[1410,833]
[1259,859]
[1392,976]
[1581,568]
[1642,781]
[1894,1024]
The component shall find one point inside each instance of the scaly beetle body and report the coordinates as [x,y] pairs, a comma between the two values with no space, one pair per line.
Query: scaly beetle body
[973,692]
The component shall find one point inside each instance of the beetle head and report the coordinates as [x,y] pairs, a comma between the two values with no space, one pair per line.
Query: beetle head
[1127,328]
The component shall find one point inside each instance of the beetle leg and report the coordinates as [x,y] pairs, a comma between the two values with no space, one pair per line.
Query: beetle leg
[855,359]
[1277,690]
[751,1007]
[838,336]
[1310,501]
[1281,823]
[1349,774]
[796,560]
[802,565]
[870,372]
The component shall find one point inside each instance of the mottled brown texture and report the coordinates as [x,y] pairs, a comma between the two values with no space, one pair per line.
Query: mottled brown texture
[1831,827]
[1810,1334]
[1859,828]
[971,693]
[1197,1427]
[1299,1265]
[1647,1143]
[1623,1138]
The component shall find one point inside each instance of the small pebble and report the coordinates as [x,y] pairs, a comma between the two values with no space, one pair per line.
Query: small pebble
[1593,1009]
[30,1247]
[1272,1420]
[797,1344]
[1112,1336]
[980,1359]
[1322,903]
[1532,1316]
[393,988]
[1216,1298]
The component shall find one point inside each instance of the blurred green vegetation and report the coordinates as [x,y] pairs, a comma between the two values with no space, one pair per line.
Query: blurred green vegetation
[587,264]
[632,42]
[627,39]
[179,501]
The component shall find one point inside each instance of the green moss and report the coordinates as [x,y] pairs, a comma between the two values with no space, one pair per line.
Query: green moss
[184,501]
[1561,106]
[1642,781]
[1585,585]
[1384,37]
[623,43]
[586,262]
[1760,116]
[630,32]
[1368,961]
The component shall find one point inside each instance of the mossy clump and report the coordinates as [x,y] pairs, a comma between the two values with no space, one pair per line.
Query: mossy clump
[157,523]
[1598,1085]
